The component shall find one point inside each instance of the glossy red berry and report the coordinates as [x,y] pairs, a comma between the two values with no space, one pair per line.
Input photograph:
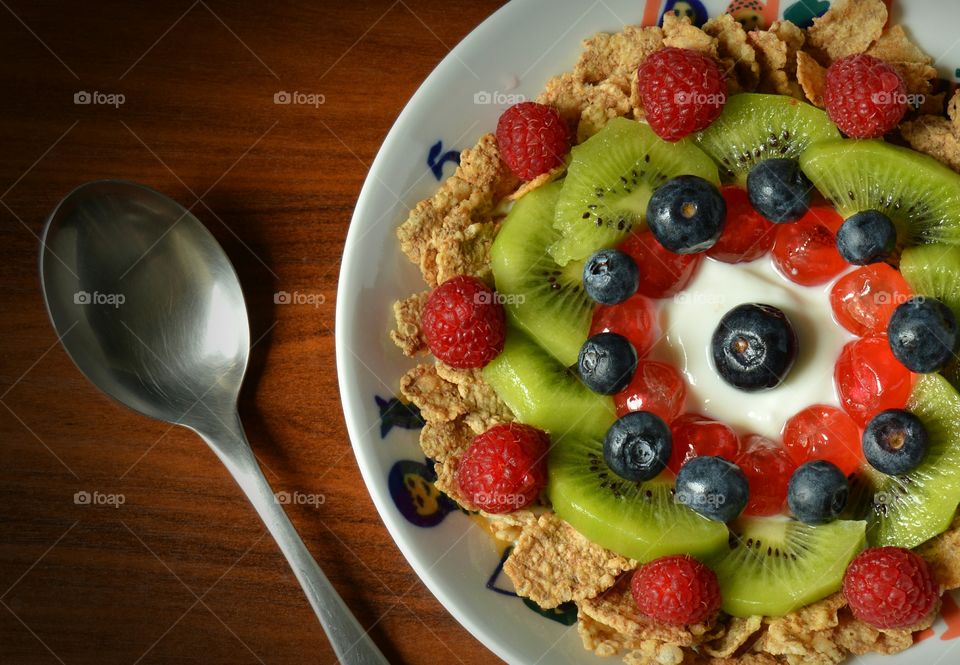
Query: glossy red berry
[865,96]
[533,139]
[747,235]
[505,468]
[635,318]
[805,251]
[890,587]
[656,387]
[864,299]
[869,379]
[662,273]
[695,435]
[823,432]
[768,469]
[683,91]
[676,590]
[463,323]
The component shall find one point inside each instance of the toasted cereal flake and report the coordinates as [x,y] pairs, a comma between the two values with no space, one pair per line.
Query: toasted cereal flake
[615,57]
[538,182]
[679,32]
[953,110]
[812,78]
[793,37]
[932,104]
[894,46]
[508,527]
[773,56]
[607,101]
[733,47]
[943,555]
[916,76]
[860,638]
[442,440]
[466,252]
[447,483]
[408,335]
[568,95]
[482,406]
[933,135]
[746,659]
[738,631]
[552,564]
[438,400]
[652,652]
[600,639]
[849,27]
[805,633]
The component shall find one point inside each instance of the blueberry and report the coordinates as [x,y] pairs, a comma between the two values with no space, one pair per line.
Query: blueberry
[754,347]
[779,190]
[817,492]
[923,334]
[895,442]
[637,446]
[866,237]
[607,362]
[686,214]
[712,487]
[610,276]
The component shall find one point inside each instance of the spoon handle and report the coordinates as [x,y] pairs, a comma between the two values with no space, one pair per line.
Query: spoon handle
[351,643]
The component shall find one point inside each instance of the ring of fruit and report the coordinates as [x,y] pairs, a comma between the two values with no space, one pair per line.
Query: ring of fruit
[726,337]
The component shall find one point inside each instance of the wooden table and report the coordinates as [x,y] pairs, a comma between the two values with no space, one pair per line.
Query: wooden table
[182,571]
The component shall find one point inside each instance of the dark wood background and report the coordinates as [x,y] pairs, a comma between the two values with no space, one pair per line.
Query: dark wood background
[183,572]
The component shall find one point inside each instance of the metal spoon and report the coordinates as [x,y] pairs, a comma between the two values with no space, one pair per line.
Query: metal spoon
[149,307]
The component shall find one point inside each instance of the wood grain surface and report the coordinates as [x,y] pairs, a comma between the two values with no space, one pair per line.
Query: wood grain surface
[182,571]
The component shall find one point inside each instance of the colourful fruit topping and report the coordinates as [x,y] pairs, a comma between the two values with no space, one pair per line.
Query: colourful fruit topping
[687,214]
[779,190]
[662,273]
[747,235]
[637,446]
[505,468]
[677,590]
[610,276]
[867,237]
[768,469]
[923,334]
[754,347]
[806,251]
[656,387]
[817,492]
[533,139]
[822,432]
[683,91]
[713,487]
[635,319]
[463,323]
[869,379]
[606,363]
[864,299]
[889,587]
[895,442]
[864,96]
[695,435]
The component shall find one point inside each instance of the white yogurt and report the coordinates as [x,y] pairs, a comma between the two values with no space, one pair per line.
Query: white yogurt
[689,319]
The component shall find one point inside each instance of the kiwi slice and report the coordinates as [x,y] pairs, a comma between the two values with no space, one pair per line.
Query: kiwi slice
[754,127]
[907,510]
[934,270]
[638,520]
[543,393]
[773,565]
[609,182]
[920,195]
[545,300]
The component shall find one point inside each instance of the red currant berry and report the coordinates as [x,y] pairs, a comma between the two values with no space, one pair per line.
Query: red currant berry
[869,379]
[656,387]
[805,251]
[747,235]
[695,435]
[635,318]
[822,432]
[864,299]
[768,469]
[662,273]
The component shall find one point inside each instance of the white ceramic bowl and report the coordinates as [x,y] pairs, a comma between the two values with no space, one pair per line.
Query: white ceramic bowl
[508,57]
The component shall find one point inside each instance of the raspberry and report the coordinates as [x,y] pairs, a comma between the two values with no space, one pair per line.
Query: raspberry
[747,235]
[533,139]
[683,91]
[822,432]
[889,587]
[768,469]
[805,252]
[463,323]
[864,300]
[505,468]
[864,96]
[677,590]
[655,387]
[869,379]
[695,435]
[635,318]
[662,273]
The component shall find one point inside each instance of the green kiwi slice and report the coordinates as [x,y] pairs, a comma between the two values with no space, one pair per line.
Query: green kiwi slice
[934,270]
[754,127]
[907,510]
[543,299]
[920,195]
[543,393]
[638,520]
[609,182]
[773,565]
